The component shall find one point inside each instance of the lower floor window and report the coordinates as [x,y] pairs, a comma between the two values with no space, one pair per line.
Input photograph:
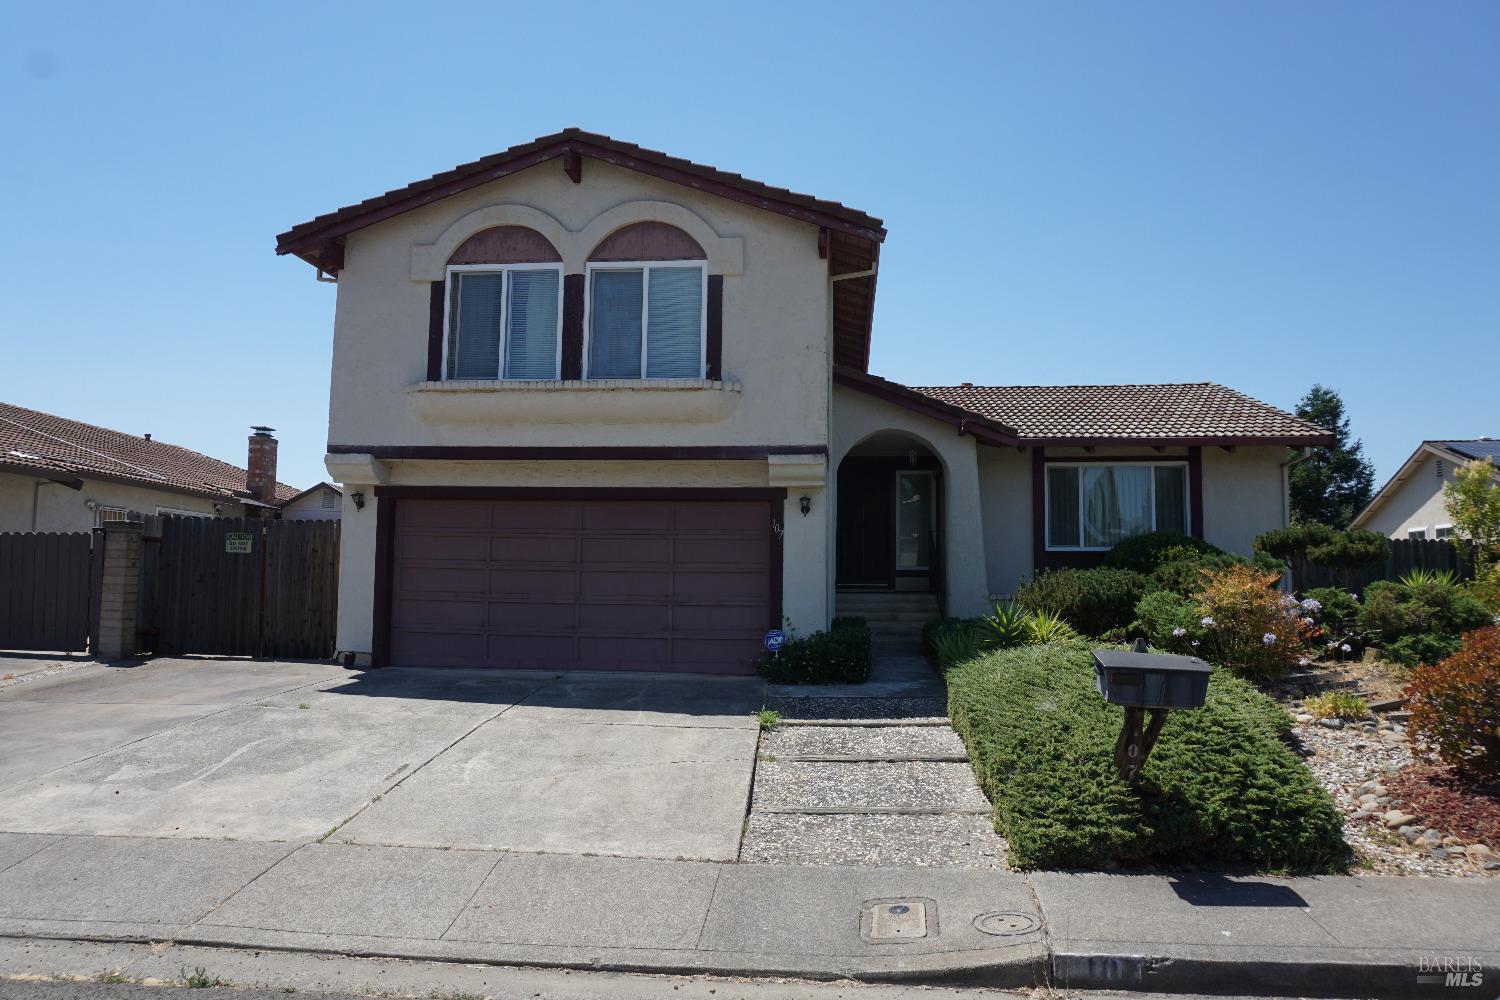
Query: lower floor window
[1097,505]
[1416,534]
[104,515]
[1444,532]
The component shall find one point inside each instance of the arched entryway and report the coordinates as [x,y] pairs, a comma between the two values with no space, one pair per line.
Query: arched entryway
[889,517]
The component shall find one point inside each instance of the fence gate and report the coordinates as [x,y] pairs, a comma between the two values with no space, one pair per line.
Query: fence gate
[239,587]
[47,588]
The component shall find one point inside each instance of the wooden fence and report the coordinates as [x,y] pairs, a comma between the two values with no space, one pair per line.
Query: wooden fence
[1406,555]
[239,587]
[48,588]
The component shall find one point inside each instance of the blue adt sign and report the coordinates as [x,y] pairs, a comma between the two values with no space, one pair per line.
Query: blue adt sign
[775,639]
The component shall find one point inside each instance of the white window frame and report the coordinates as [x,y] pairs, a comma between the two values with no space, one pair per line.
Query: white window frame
[182,513]
[1443,527]
[449,317]
[102,509]
[644,266]
[1187,499]
[1416,534]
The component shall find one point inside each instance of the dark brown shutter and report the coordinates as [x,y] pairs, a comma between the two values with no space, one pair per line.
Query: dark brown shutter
[572,343]
[715,326]
[435,333]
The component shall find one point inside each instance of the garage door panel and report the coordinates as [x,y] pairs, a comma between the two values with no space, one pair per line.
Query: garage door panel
[624,619]
[560,549]
[565,584]
[644,516]
[437,648]
[749,553]
[627,549]
[532,515]
[748,619]
[534,581]
[443,612]
[720,585]
[435,547]
[532,616]
[435,580]
[624,583]
[628,653]
[449,515]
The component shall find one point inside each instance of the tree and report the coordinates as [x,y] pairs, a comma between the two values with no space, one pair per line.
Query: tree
[1473,503]
[1332,484]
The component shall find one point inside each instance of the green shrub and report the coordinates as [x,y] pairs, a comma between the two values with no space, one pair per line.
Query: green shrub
[1219,788]
[1169,621]
[1427,647]
[1093,601]
[1143,553]
[1333,609]
[1420,623]
[1312,544]
[839,656]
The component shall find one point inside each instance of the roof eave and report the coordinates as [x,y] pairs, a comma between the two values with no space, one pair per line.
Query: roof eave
[979,427]
[305,237]
[1219,441]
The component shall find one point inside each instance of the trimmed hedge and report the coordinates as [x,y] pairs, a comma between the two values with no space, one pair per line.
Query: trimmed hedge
[1221,786]
[1093,601]
[1143,553]
[839,656]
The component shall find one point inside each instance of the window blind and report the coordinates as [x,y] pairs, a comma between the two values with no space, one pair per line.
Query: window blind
[475,326]
[674,323]
[531,326]
[615,324]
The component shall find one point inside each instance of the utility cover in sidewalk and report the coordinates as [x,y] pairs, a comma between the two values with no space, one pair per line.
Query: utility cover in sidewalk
[1006,924]
[898,919]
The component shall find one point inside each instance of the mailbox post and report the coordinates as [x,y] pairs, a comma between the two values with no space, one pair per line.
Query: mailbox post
[1139,682]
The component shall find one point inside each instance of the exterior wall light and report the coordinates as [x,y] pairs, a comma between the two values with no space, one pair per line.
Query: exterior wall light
[806,504]
[358,497]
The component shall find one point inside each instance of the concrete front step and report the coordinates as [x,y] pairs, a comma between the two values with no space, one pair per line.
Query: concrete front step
[908,787]
[890,742]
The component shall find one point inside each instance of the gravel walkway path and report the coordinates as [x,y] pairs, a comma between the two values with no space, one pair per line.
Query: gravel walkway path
[862,787]
[889,741]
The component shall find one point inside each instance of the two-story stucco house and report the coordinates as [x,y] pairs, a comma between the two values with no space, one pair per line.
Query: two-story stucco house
[596,406]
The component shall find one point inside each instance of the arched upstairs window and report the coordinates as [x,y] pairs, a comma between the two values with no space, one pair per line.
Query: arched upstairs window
[647,305]
[502,307]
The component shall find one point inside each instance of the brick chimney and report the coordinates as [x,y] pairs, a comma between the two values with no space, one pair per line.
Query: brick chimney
[260,469]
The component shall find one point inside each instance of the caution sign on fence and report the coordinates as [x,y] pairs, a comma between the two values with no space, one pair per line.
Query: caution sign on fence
[237,541]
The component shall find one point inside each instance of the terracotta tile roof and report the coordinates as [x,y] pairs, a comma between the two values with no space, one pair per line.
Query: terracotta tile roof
[30,439]
[1201,412]
[590,144]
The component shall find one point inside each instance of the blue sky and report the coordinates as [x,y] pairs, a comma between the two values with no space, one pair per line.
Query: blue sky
[1265,195]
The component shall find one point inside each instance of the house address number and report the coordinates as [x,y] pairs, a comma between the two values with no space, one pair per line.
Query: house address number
[237,541]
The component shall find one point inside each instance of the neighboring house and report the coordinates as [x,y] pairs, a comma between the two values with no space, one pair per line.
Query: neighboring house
[597,406]
[1411,504]
[323,502]
[63,475]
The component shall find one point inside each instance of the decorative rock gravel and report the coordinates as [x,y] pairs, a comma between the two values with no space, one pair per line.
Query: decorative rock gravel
[888,741]
[1353,763]
[857,787]
[957,841]
[926,709]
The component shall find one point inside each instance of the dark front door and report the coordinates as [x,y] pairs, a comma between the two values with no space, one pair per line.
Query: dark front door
[867,526]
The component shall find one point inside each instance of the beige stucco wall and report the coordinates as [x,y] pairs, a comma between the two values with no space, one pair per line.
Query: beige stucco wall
[61,509]
[775,346]
[1244,494]
[1005,493]
[856,416]
[310,508]
[1416,502]
[804,597]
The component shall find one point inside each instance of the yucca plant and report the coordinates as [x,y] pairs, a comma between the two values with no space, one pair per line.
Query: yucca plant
[1007,627]
[957,644]
[1042,627]
[1429,578]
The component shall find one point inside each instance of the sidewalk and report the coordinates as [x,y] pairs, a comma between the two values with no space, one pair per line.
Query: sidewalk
[1319,936]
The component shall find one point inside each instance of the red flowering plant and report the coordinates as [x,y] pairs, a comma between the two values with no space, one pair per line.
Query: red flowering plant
[1249,626]
[1455,704]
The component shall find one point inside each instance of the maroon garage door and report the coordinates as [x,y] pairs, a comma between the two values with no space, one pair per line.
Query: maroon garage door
[588,584]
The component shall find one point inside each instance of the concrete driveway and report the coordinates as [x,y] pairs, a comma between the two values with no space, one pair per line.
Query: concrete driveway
[636,765]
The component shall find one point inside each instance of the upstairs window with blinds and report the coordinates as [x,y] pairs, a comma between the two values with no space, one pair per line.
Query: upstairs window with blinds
[504,322]
[646,320]
[1097,505]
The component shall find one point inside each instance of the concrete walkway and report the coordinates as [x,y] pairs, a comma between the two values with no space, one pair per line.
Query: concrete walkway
[1310,937]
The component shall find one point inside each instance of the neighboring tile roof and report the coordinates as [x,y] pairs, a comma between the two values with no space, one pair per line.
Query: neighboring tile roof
[1483,447]
[30,439]
[575,140]
[1203,412]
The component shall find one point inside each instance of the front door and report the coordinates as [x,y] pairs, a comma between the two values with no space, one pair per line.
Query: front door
[916,522]
[887,524]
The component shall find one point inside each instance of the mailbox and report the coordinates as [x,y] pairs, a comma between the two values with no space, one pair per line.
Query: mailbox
[1140,682]
[1150,680]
